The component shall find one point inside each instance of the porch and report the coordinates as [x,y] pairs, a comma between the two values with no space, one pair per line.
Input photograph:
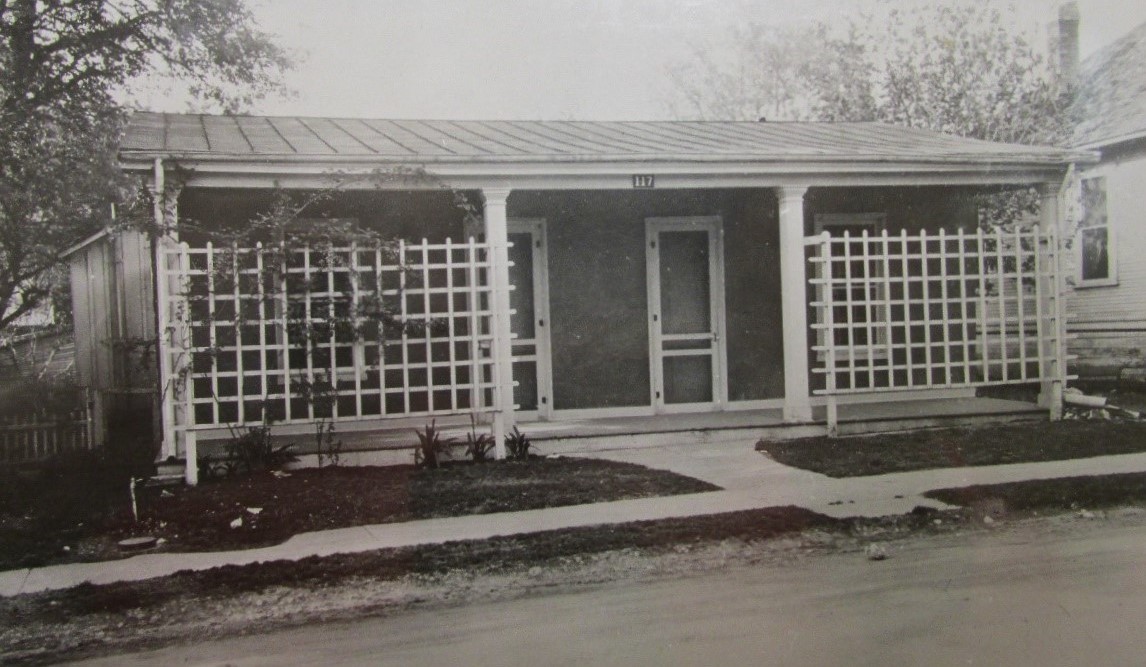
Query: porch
[755,280]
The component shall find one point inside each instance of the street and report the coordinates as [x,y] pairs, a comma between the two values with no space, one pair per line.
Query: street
[1070,593]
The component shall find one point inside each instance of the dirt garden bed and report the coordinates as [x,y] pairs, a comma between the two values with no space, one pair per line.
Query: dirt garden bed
[267,507]
[953,448]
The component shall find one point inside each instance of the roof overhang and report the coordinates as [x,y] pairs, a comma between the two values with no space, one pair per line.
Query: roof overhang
[572,172]
[1117,141]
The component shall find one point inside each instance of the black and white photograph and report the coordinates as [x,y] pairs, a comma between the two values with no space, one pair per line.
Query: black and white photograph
[572,332]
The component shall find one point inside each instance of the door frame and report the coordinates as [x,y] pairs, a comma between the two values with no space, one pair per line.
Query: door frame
[536,228]
[714,225]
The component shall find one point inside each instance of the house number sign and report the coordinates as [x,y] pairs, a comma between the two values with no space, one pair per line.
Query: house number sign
[643,181]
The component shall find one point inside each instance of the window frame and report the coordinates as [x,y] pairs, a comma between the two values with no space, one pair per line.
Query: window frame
[1111,278]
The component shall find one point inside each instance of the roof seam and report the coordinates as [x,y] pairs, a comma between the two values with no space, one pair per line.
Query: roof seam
[337,124]
[286,142]
[518,131]
[243,134]
[206,136]
[402,125]
[581,144]
[317,135]
[454,137]
[670,138]
[454,123]
[370,125]
[560,128]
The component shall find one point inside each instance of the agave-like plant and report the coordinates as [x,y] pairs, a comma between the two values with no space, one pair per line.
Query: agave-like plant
[430,446]
[517,445]
[478,445]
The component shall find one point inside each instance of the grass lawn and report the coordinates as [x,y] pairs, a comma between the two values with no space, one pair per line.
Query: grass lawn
[951,448]
[1090,492]
[273,507]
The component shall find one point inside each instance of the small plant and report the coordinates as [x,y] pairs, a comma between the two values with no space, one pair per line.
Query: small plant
[478,445]
[517,445]
[431,446]
[217,467]
[254,450]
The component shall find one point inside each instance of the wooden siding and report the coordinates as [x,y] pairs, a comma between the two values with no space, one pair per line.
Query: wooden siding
[93,289]
[1109,322]
[114,310]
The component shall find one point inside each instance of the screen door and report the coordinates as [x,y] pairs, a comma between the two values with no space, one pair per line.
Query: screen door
[530,319]
[685,269]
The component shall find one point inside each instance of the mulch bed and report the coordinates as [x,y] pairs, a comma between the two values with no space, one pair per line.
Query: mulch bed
[270,508]
[952,448]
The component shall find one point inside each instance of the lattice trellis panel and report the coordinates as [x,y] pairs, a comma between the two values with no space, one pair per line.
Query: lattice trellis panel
[901,312]
[295,334]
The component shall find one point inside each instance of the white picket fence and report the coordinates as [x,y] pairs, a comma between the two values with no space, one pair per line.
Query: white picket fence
[903,312]
[319,332]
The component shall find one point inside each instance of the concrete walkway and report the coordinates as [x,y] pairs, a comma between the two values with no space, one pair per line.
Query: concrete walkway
[750,481]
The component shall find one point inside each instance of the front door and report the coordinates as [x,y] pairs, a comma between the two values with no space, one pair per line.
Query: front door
[686,313]
[530,320]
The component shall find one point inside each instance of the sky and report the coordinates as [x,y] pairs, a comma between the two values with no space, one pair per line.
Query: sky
[542,59]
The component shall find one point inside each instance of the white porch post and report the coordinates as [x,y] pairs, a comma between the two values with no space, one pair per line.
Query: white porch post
[794,304]
[169,447]
[165,197]
[497,236]
[1053,344]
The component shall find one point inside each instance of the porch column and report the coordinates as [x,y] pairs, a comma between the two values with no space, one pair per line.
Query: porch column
[171,381]
[794,304]
[1053,344]
[497,235]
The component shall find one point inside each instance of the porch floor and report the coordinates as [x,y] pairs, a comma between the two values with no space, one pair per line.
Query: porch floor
[768,424]
[392,444]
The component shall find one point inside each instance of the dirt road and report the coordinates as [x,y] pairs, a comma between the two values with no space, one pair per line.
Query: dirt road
[1042,594]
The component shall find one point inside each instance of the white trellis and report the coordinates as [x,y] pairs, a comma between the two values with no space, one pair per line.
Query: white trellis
[905,312]
[294,334]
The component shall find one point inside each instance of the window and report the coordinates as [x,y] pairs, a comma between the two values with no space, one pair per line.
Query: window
[860,315]
[1095,242]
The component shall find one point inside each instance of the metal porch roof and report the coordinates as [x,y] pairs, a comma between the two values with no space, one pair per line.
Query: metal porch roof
[267,139]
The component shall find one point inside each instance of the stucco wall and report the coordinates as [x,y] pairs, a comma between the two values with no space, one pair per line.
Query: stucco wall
[912,209]
[598,292]
[400,214]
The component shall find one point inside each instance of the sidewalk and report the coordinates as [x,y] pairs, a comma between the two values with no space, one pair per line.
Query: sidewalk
[750,481]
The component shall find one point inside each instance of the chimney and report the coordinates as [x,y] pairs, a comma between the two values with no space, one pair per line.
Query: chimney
[1066,43]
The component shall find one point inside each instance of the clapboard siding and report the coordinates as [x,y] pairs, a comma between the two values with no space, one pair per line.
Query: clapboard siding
[1110,321]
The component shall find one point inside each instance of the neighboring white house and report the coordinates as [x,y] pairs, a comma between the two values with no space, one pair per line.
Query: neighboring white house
[1107,307]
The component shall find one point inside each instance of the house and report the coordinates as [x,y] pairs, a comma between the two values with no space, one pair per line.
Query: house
[548,271]
[1107,305]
